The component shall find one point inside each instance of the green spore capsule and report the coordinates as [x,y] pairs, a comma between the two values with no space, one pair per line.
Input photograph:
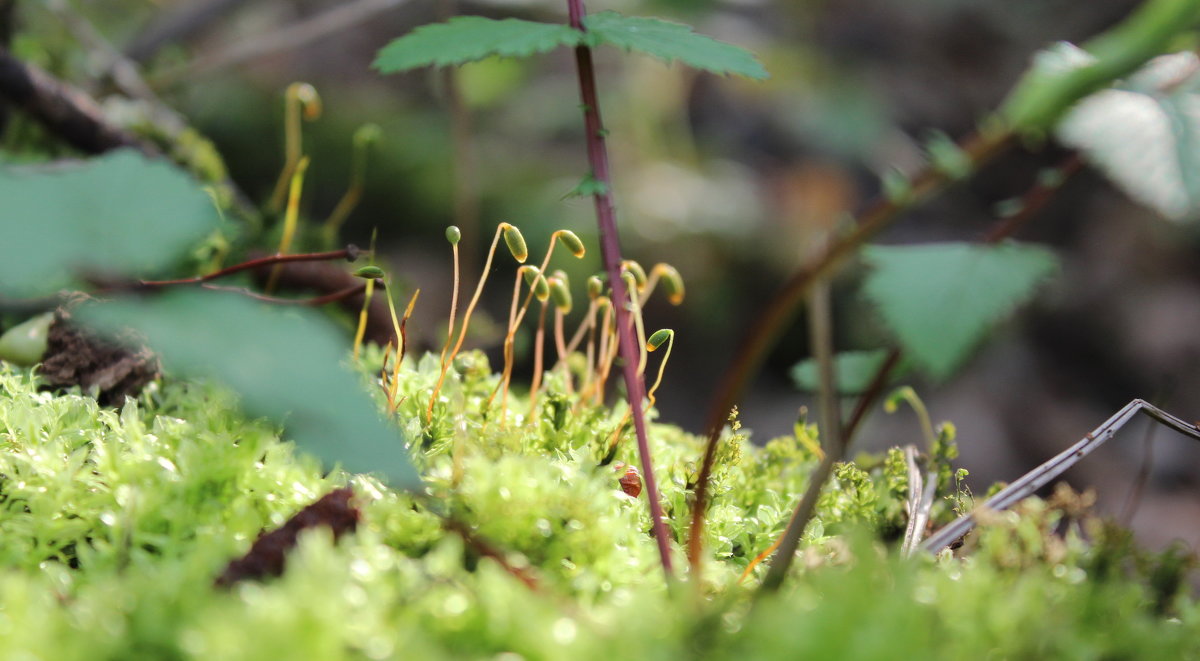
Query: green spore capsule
[560,294]
[672,283]
[515,242]
[595,287]
[639,274]
[659,338]
[536,282]
[572,242]
[369,272]
[25,343]
[453,235]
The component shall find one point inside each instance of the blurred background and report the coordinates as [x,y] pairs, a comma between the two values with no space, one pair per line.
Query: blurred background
[731,181]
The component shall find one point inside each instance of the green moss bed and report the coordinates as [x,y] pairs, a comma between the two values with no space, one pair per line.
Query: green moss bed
[115,523]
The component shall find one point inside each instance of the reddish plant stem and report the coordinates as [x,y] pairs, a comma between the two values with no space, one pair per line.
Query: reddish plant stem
[610,250]
[1034,199]
[349,253]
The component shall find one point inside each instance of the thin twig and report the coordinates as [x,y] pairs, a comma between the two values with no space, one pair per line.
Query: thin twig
[65,111]
[1043,474]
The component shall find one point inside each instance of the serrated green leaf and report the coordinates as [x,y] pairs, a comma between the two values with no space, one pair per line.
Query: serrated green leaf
[854,369]
[940,299]
[470,38]
[116,214]
[1145,135]
[286,364]
[671,41]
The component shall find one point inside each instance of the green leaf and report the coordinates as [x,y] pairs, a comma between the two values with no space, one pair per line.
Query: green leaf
[285,364]
[1145,134]
[671,41]
[940,299]
[854,370]
[470,38]
[588,186]
[117,214]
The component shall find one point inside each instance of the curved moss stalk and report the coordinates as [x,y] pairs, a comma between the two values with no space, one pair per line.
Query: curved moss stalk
[516,246]
[301,101]
[290,219]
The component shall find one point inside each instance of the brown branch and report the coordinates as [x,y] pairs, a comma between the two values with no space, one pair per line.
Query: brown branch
[64,110]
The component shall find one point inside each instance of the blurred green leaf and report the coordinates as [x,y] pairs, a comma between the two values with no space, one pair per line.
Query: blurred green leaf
[589,185]
[120,213]
[854,370]
[1145,134]
[470,38]
[286,364]
[940,299]
[672,41]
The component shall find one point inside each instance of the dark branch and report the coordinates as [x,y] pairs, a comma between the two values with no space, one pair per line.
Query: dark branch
[64,110]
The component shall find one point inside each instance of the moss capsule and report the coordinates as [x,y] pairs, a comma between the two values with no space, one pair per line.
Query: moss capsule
[572,242]
[515,242]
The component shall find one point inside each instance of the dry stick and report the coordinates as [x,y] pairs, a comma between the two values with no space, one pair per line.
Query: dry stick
[980,148]
[65,111]
[610,249]
[76,117]
[1043,474]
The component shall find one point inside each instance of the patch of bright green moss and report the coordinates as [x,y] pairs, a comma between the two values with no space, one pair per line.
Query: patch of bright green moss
[113,525]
